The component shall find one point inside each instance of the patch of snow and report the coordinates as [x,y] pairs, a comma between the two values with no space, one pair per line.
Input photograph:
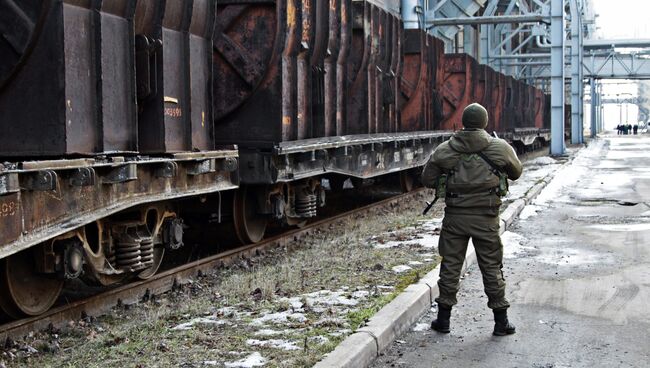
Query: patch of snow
[428,255]
[331,321]
[566,177]
[268,332]
[254,360]
[340,332]
[513,244]
[424,240]
[430,224]
[360,294]
[296,304]
[415,263]
[199,321]
[427,260]
[210,362]
[421,327]
[320,340]
[225,310]
[329,298]
[529,211]
[273,343]
[401,268]
[540,161]
[279,317]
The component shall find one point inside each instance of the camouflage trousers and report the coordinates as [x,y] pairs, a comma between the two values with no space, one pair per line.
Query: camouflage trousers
[484,231]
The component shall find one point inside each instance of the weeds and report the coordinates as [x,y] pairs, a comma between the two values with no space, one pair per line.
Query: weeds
[342,260]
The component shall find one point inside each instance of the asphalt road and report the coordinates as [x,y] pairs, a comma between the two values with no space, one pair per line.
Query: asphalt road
[578,272]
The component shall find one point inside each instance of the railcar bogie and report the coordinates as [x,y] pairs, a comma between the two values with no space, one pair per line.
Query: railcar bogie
[156,118]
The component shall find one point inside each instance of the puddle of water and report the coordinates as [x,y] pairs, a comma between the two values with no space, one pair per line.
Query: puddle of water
[570,257]
[619,297]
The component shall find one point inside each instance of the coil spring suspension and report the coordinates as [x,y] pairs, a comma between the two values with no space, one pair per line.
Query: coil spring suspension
[134,249]
[306,204]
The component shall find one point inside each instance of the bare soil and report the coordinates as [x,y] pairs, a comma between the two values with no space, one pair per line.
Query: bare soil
[285,308]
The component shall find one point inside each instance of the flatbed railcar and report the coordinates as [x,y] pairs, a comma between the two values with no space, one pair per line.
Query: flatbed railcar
[121,119]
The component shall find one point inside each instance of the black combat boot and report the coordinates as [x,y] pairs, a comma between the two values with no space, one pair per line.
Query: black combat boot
[441,324]
[502,326]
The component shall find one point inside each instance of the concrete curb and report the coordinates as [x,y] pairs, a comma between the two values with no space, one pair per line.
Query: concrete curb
[362,347]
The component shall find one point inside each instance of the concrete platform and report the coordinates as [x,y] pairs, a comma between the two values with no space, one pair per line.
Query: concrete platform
[578,272]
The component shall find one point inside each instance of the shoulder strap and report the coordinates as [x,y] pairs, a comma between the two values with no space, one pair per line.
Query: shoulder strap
[483,156]
[490,162]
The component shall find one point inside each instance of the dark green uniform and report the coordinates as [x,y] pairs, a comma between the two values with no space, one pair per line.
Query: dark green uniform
[472,208]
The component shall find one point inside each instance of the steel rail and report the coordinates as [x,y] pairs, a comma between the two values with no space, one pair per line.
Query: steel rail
[137,291]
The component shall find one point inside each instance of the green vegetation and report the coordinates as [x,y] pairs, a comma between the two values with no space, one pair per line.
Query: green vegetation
[343,260]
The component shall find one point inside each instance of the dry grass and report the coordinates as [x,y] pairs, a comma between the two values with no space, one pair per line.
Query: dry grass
[342,259]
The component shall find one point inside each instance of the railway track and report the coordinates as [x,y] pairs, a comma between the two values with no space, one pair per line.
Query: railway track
[142,290]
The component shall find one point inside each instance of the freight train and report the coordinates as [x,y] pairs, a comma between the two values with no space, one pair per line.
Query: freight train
[123,123]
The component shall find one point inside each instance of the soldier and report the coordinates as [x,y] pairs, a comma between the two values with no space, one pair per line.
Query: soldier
[475,167]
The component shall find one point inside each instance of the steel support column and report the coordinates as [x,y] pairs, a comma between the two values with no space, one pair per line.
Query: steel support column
[410,14]
[484,44]
[557,77]
[581,78]
[601,109]
[594,108]
[576,83]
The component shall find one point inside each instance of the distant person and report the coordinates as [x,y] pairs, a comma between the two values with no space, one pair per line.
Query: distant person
[624,129]
[619,129]
[629,129]
[635,129]
[473,167]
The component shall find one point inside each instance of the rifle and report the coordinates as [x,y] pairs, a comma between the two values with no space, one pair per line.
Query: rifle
[429,205]
[441,191]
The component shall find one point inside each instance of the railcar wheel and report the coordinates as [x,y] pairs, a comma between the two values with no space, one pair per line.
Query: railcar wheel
[249,225]
[406,181]
[23,291]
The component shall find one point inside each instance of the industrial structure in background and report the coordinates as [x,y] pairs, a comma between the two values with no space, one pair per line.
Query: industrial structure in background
[119,141]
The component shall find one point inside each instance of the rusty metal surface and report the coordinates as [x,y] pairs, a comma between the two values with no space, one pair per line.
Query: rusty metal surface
[299,69]
[76,88]
[21,23]
[165,281]
[362,156]
[175,75]
[51,201]
[458,85]
[511,103]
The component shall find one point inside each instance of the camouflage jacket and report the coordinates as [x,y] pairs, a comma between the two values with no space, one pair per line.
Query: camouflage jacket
[469,194]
